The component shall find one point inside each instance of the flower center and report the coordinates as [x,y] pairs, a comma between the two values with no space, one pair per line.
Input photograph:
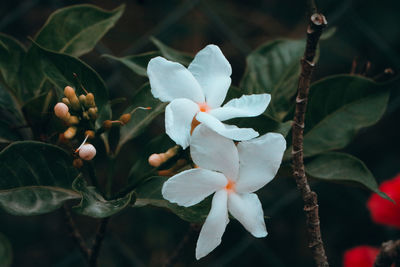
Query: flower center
[204,107]
[230,186]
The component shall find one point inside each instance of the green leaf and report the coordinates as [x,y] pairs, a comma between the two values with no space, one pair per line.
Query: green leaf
[274,68]
[342,167]
[338,107]
[35,178]
[12,53]
[5,251]
[172,54]
[136,63]
[149,193]
[75,30]
[59,69]
[141,118]
[94,205]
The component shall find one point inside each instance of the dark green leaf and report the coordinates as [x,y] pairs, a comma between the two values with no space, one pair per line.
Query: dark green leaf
[5,251]
[94,205]
[274,68]
[342,167]
[59,69]
[35,178]
[338,107]
[149,193]
[136,63]
[75,30]
[12,54]
[141,118]
[172,54]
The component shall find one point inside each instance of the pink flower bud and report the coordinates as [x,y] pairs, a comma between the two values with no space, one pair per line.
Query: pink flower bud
[156,160]
[61,110]
[87,152]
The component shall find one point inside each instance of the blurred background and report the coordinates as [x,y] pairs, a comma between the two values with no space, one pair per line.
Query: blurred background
[366,31]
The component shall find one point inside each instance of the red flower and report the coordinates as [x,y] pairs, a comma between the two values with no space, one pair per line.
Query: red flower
[361,256]
[382,210]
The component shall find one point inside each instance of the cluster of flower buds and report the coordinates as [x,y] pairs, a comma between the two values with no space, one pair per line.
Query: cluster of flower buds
[79,114]
[123,120]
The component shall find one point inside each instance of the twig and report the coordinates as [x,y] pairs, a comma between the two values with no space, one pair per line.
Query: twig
[389,253]
[76,234]
[98,241]
[316,25]
[169,262]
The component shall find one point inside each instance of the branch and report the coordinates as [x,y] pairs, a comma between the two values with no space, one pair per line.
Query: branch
[389,253]
[98,241]
[76,234]
[316,25]
[179,249]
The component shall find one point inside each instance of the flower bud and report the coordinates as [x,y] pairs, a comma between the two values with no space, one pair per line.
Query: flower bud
[77,163]
[90,134]
[156,160]
[66,101]
[62,139]
[92,113]
[69,91]
[87,152]
[75,104]
[90,100]
[61,110]
[125,118]
[70,132]
[82,99]
[73,120]
[107,124]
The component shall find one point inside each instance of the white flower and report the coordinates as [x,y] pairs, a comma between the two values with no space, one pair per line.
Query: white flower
[196,94]
[233,173]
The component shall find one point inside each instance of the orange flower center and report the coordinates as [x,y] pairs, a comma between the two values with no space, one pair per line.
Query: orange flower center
[230,186]
[204,107]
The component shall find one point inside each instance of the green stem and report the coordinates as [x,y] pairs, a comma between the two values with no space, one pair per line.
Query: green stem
[92,174]
[110,174]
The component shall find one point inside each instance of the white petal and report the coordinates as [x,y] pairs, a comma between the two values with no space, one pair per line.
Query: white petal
[170,80]
[192,186]
[212,71]
[245,106]
[214,226]
[212,151]
[247,209]
[259,159]
[228,131]
[179,115]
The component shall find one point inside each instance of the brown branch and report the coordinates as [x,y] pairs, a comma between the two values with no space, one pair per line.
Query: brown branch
[169,262]
[316,25]
[98,241]
[389,254]
[76,234]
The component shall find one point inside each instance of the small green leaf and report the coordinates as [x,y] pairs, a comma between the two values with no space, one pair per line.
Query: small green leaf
[12,53]
[75,30]
[338,107]
[6,254]
[274,68]
[141,118]
[94,205]
[342,167]
[35,178]
[172,54]
[136,63]
[59,69]
[149,193]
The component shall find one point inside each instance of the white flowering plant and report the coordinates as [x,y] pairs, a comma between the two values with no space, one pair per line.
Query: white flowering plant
[186,140]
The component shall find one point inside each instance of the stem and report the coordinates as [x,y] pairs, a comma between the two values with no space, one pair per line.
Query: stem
[316,25]
[92,174]
[389,253]
[76,234]
[98,241]
[169,262]
[110,173]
